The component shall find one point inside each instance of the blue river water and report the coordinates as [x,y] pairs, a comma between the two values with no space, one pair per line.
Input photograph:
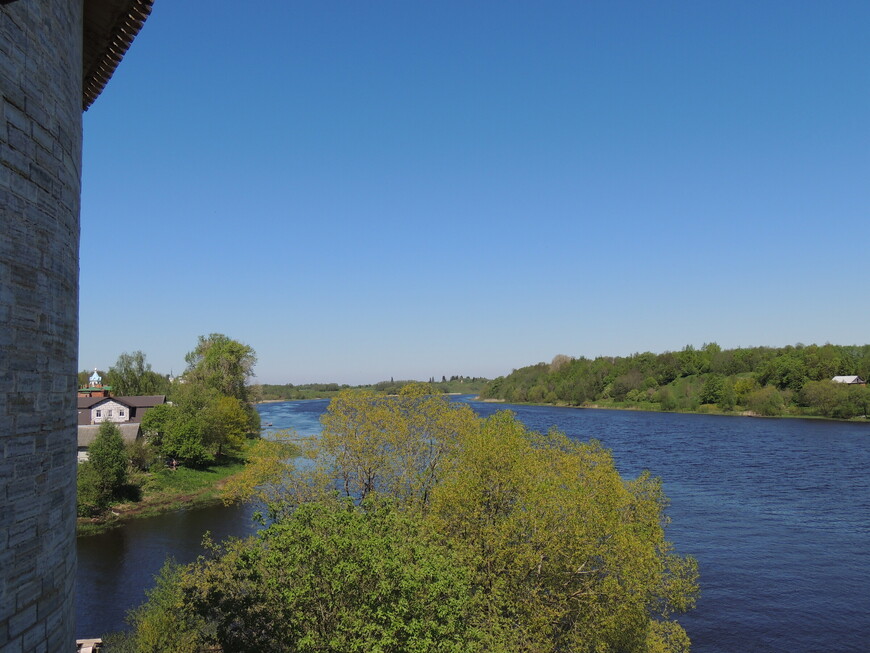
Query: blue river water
[776,511]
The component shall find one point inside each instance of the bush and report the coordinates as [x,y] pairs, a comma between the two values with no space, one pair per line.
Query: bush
[140,454]
[108,459]
[89,500]
[767,402]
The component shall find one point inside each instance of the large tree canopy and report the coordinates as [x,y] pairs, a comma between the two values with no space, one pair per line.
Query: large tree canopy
[131,376]
[222,364]
[449,532]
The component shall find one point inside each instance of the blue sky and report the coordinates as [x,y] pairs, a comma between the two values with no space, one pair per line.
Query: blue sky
[370,190]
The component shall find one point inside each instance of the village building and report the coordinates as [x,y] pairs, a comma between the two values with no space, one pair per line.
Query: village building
[849,380]
[95,387]
[97,405]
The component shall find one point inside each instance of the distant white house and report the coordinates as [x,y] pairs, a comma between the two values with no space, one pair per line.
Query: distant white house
[850,380]
[96,405]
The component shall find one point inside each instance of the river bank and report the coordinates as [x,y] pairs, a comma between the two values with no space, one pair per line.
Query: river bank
[705,409]
[168,490]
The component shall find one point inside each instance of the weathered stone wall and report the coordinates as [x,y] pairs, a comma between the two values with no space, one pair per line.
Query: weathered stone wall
[40,179]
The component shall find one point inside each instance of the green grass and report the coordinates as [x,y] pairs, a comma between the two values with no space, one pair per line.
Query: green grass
[166,490]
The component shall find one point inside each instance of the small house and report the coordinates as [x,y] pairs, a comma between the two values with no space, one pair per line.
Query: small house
[849,380]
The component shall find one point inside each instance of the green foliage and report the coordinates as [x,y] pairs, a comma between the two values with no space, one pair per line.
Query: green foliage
[140,454]
[717,379]
[201,424]
[835,399]
[221,364]
[711,392]
[155,423]
[184,440]
[332,577]
[766,401]
[163,622]
[90,501]
[104,476]
[392,445]
[552,550]
[727,395]
[568,555]
[226,423]
[109,460]
[131,376]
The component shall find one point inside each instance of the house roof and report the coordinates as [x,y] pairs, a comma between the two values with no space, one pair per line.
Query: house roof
[88,402]
[88,433]
[109,27]
[848,379]
[144,401]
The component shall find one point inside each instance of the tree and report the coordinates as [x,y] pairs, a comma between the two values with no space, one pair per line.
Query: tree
[184,439]
[559,361]
[563,553]
[336,578]
[131,376]
[766,401]
[728,396]
[393,445]
[331,578]
[711,391]
[155,423]
[108,463]
[226,424]
[222,364]
[568,556]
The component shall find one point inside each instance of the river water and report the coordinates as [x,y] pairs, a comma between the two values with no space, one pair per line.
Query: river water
[776,511]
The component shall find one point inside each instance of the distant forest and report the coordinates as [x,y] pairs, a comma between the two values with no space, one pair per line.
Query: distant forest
[288,391]
[793,380]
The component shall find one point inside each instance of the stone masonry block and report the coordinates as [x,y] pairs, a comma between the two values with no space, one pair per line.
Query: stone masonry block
[22,620]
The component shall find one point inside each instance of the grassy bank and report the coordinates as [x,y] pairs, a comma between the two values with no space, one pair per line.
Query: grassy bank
[703,409]
[166,490]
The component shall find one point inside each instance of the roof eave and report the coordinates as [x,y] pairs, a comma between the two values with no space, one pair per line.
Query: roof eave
[109,27]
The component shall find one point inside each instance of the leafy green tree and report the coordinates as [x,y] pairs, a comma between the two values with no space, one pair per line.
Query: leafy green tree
[666,399]
[334,578]
[743,387]
[821,396]
[711,392]
[155,424]
[89,500]
[766,401]
[185,439]
[131,376]
[108,459]
[564,554]
[222,364]
[226,423]
[568,556]
[101,478]
[728,396]
[163,622]
[392,445]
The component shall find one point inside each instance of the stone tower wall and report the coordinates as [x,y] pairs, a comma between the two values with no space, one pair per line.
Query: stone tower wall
[40,179]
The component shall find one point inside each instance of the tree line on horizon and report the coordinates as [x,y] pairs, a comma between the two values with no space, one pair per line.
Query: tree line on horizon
[288,391]
[769,381]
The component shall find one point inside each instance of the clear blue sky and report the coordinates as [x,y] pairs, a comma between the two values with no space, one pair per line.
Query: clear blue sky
[366,190]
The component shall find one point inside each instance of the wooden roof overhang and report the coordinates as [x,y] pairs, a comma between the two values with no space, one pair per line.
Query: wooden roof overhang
[109,27]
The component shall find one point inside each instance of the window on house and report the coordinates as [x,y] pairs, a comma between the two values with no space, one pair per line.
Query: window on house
[120,413]
[109,414]
[99,413]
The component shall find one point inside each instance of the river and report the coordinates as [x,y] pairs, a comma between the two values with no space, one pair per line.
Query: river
[777,512]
